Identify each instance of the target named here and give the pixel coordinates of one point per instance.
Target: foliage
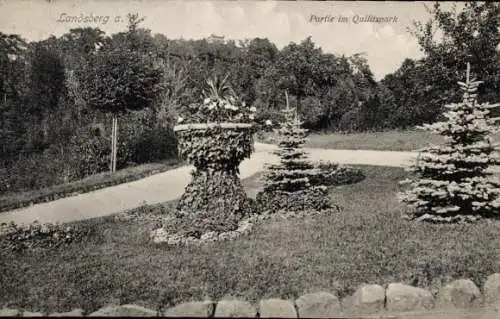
(213, 201)
(219, 105)
(216, 147)
(333, 174)
(35, 171)
(294, 182)
(38, 236)
(422, 87)
(121, 73)
(87, 153)
(453, 182)
(310, 199)
(95, 151)
(121, 79)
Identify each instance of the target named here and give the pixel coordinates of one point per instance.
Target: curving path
(170, 185)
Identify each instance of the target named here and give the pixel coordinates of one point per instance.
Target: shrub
(334, 174)
(90, 155)
(38, 236)
(313, 198)
(155, 144)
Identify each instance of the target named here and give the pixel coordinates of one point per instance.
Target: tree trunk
(114, 144)
(111, 158)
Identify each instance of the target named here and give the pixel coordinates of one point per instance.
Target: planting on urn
(215, 136)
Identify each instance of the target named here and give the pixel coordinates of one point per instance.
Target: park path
(170, 185)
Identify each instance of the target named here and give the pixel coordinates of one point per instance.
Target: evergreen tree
(454, 183)
(293, 184)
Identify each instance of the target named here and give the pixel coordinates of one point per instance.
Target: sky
(385, 44)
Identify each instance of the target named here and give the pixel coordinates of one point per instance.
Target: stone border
(161, 236)
(458, 299)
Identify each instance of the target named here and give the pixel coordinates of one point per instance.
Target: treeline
(58, 95)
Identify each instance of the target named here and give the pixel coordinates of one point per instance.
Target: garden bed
(18, 200)
(367, 242)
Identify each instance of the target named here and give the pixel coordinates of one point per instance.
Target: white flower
(269, 122)
(211, 106)
(475, 34)
(206, 101)
(251, 116)
(180, 119)
(243, 103)
(230, 107)
(253, 109)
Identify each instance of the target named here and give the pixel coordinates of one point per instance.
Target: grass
(16, 200)
(367, 242)
(410, 140)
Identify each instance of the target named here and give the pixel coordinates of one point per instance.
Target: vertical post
(112, 157)
(468, 73)
(286, 96)
(112, 145)
(287, 112)
(116, 145)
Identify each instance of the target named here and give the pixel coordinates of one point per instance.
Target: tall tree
(452, 181)
(470, 35)
(123, 75)
(296, 64)
(46, 88)
(13, 52)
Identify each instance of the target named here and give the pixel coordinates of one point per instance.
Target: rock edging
(161, 235)
(458, 299)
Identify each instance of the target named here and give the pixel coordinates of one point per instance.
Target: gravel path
(170, 185)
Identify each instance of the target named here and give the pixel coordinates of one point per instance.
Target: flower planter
(214, 200)
(215, 145)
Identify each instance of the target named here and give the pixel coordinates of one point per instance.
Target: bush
(314, 198)
(90, 155)
(38, 236)
(37, 171)
(336, 175)
(155, 144)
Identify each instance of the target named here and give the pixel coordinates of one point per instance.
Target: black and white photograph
(250, 159)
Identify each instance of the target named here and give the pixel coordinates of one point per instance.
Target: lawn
(367, 242)
(383, 141)
(11, 201)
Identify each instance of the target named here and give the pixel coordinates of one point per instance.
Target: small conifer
(292, 184)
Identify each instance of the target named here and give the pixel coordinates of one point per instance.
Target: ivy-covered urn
(215, 136)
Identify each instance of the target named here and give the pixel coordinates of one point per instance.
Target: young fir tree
(293, 184)
(454, 183)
